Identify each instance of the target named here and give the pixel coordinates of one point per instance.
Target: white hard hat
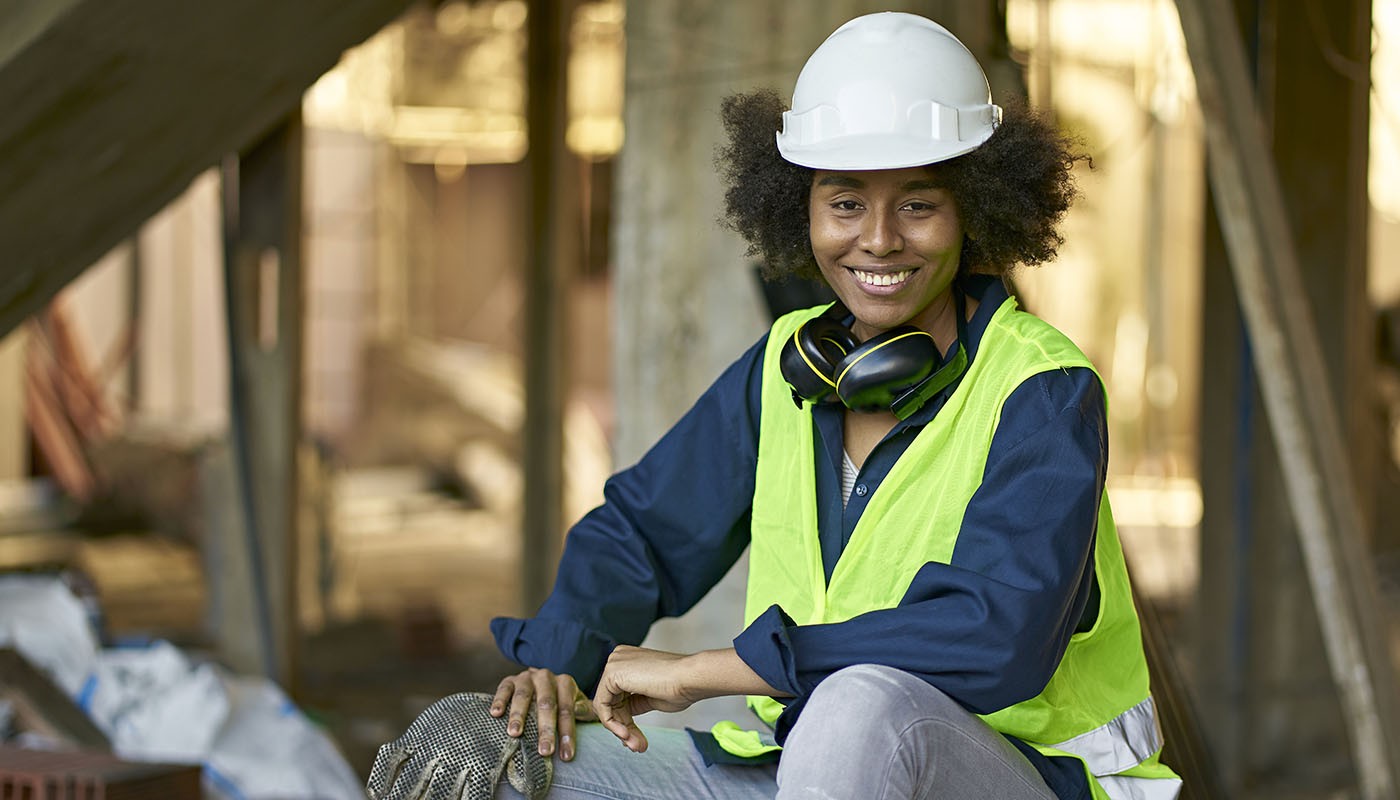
(886, 91)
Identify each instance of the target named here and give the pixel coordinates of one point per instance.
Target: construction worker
(937, 604)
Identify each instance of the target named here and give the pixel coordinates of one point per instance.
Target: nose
(880, 235)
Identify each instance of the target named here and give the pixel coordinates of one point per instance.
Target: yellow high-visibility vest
(1097, 706)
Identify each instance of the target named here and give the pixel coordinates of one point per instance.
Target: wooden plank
(42, 706)
(14, 442)
(1320, 487)
(53, 431)
(72, 376)
(111, 109)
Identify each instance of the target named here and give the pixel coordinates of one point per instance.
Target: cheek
(943, 238)
(824, 236)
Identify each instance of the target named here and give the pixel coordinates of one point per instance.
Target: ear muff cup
(809, 357)
(876, 373)
(898, 371)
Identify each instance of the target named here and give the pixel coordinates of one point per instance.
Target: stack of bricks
(86, 775)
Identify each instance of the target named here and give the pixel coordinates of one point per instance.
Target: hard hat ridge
(886, 91)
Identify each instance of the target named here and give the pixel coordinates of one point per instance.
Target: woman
(937, 604)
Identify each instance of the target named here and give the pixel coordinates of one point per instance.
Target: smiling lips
(882, 278)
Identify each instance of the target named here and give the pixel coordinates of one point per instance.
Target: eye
(920, 206)
(846, 205)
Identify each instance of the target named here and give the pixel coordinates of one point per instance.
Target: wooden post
(14, 443)
(552, 252)
(1285, 347)
(262, 240)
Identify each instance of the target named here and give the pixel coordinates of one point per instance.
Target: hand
(558, 703)
(637, 680)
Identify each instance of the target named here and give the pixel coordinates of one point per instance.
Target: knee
(853, 722)
(873, 694)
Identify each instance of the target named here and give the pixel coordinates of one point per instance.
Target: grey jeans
(867, 732)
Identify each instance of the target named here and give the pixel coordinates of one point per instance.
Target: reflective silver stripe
(1120, 787)
(1124, 742)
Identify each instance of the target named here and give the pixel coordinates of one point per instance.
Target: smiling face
(888, 242)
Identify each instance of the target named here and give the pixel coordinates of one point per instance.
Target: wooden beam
(1320, 486)
(553, 247)
(43, 707)
(264, 302)
(14, 440)
(111, 109)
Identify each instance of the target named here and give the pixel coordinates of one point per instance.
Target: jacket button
(862, 490)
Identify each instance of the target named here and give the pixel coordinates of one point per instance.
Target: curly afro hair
(1011, 192)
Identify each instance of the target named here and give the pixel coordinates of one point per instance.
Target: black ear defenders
(823, 361)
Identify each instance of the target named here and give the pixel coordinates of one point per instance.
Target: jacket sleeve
(990, 627)
(669, 528)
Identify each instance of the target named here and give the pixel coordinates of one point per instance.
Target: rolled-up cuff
(765, 646)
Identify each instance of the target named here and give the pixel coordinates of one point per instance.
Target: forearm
(719, 673)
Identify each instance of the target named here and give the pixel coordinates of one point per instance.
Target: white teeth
(882, 278)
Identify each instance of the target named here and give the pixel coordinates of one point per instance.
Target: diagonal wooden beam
(111, 109)
(1292, 378)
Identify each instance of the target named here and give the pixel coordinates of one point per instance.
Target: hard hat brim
(875, 151)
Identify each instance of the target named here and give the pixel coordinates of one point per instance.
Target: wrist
(701, 675)
(720, 673)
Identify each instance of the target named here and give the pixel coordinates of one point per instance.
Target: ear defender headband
(823, 361)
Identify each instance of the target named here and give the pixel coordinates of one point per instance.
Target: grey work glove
(456, 750)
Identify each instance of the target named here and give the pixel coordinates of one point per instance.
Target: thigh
(670, 768)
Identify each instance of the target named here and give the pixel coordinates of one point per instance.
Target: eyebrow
(847, 182)
(844, 181)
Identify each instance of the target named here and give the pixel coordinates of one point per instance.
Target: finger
(461, 787)
(625, 728)
(613, 711)
(519, 707)
(426, 780)
(583, 708)
(503, 692)
(603, 708)
(636, 740)
(385, 770)
(564, 686)
(546, 709)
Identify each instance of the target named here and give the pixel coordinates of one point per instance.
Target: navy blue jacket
(988, 628)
